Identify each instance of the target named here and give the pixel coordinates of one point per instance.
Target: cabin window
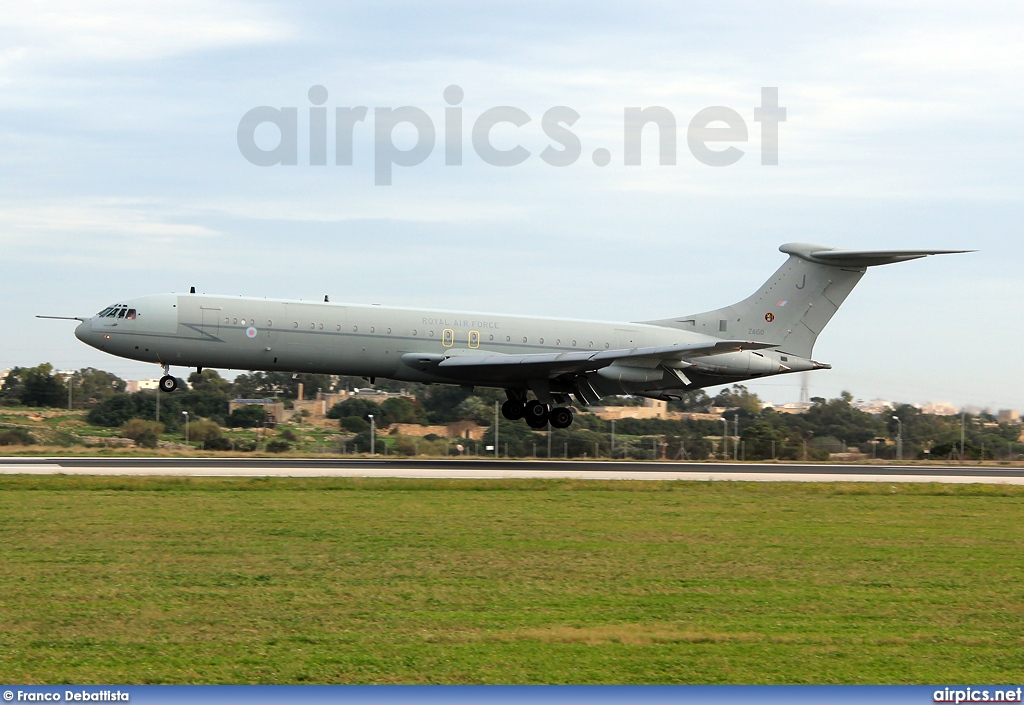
(574, 343)
(590, 343)
(508, 338)
(269, 323)
(542, 341)
(295, 324)
(373, 329)
(321, 326)
(355, 329)
(389, 331)
(414, 331)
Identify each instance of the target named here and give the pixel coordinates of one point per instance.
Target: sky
(121, 172)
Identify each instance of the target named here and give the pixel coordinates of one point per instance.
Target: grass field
(142, 580)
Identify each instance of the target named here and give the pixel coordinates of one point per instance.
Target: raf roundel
(769, 316)
(250, 332)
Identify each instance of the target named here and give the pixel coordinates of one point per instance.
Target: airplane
(770, 332)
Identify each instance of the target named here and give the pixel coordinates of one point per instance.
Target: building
(139, 385)
(460, 429)
(939, 408)
(1008, 416)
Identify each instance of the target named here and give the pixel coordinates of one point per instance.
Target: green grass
(132, 580)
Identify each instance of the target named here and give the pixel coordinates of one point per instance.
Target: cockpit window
(131, 313)
(116, 311)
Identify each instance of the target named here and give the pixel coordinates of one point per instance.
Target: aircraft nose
(83, 331)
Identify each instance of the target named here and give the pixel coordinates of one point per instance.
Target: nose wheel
(168, 384)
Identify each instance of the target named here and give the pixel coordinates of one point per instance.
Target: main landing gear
(537, 415)
(167, 382)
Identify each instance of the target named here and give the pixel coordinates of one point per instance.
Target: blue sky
(120, 174)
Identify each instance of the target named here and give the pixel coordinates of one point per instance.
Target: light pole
(736, 445)
(899, 438)
(71, 379)
(725, 436)
(185, 414)
(373, 435)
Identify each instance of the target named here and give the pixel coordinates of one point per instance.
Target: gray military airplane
(770, 332)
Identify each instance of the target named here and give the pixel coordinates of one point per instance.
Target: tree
(739, 397)
(91, 386)
(40, 387)
(354, 407)
(248, 416)
(475, 409)
(399, 410)
(209, 381)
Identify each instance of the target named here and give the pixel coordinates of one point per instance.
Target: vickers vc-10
(770, 332)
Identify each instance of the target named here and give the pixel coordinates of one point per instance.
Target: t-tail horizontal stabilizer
(795, 304)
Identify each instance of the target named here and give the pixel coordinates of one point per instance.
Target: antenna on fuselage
(325, 299)
(191, 290)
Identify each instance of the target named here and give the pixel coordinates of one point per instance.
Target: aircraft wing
(499, 367)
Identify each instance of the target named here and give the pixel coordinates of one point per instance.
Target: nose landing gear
(167, 382)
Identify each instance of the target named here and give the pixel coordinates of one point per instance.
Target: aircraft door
(211, 320)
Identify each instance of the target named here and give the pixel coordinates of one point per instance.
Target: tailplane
(794, 305)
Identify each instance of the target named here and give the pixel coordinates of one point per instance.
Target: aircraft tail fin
(794, 305)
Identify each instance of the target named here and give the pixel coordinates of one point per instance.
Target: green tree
(40, 387)
(91, 386)
(399, 410)
(739, 397)
(248, 416)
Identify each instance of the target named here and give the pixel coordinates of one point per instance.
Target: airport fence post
(496, 451)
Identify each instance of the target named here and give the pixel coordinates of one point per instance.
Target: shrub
(138, 428)
(276, 446)
(203, 431)
(288, 435)
(220, 443)
(16, 437)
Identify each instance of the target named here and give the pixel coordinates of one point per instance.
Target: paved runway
(498, 469)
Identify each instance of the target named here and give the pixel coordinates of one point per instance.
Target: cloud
(66, 31)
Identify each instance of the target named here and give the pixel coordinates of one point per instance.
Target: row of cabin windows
(449, 340)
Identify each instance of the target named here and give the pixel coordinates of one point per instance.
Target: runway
(508, 469)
